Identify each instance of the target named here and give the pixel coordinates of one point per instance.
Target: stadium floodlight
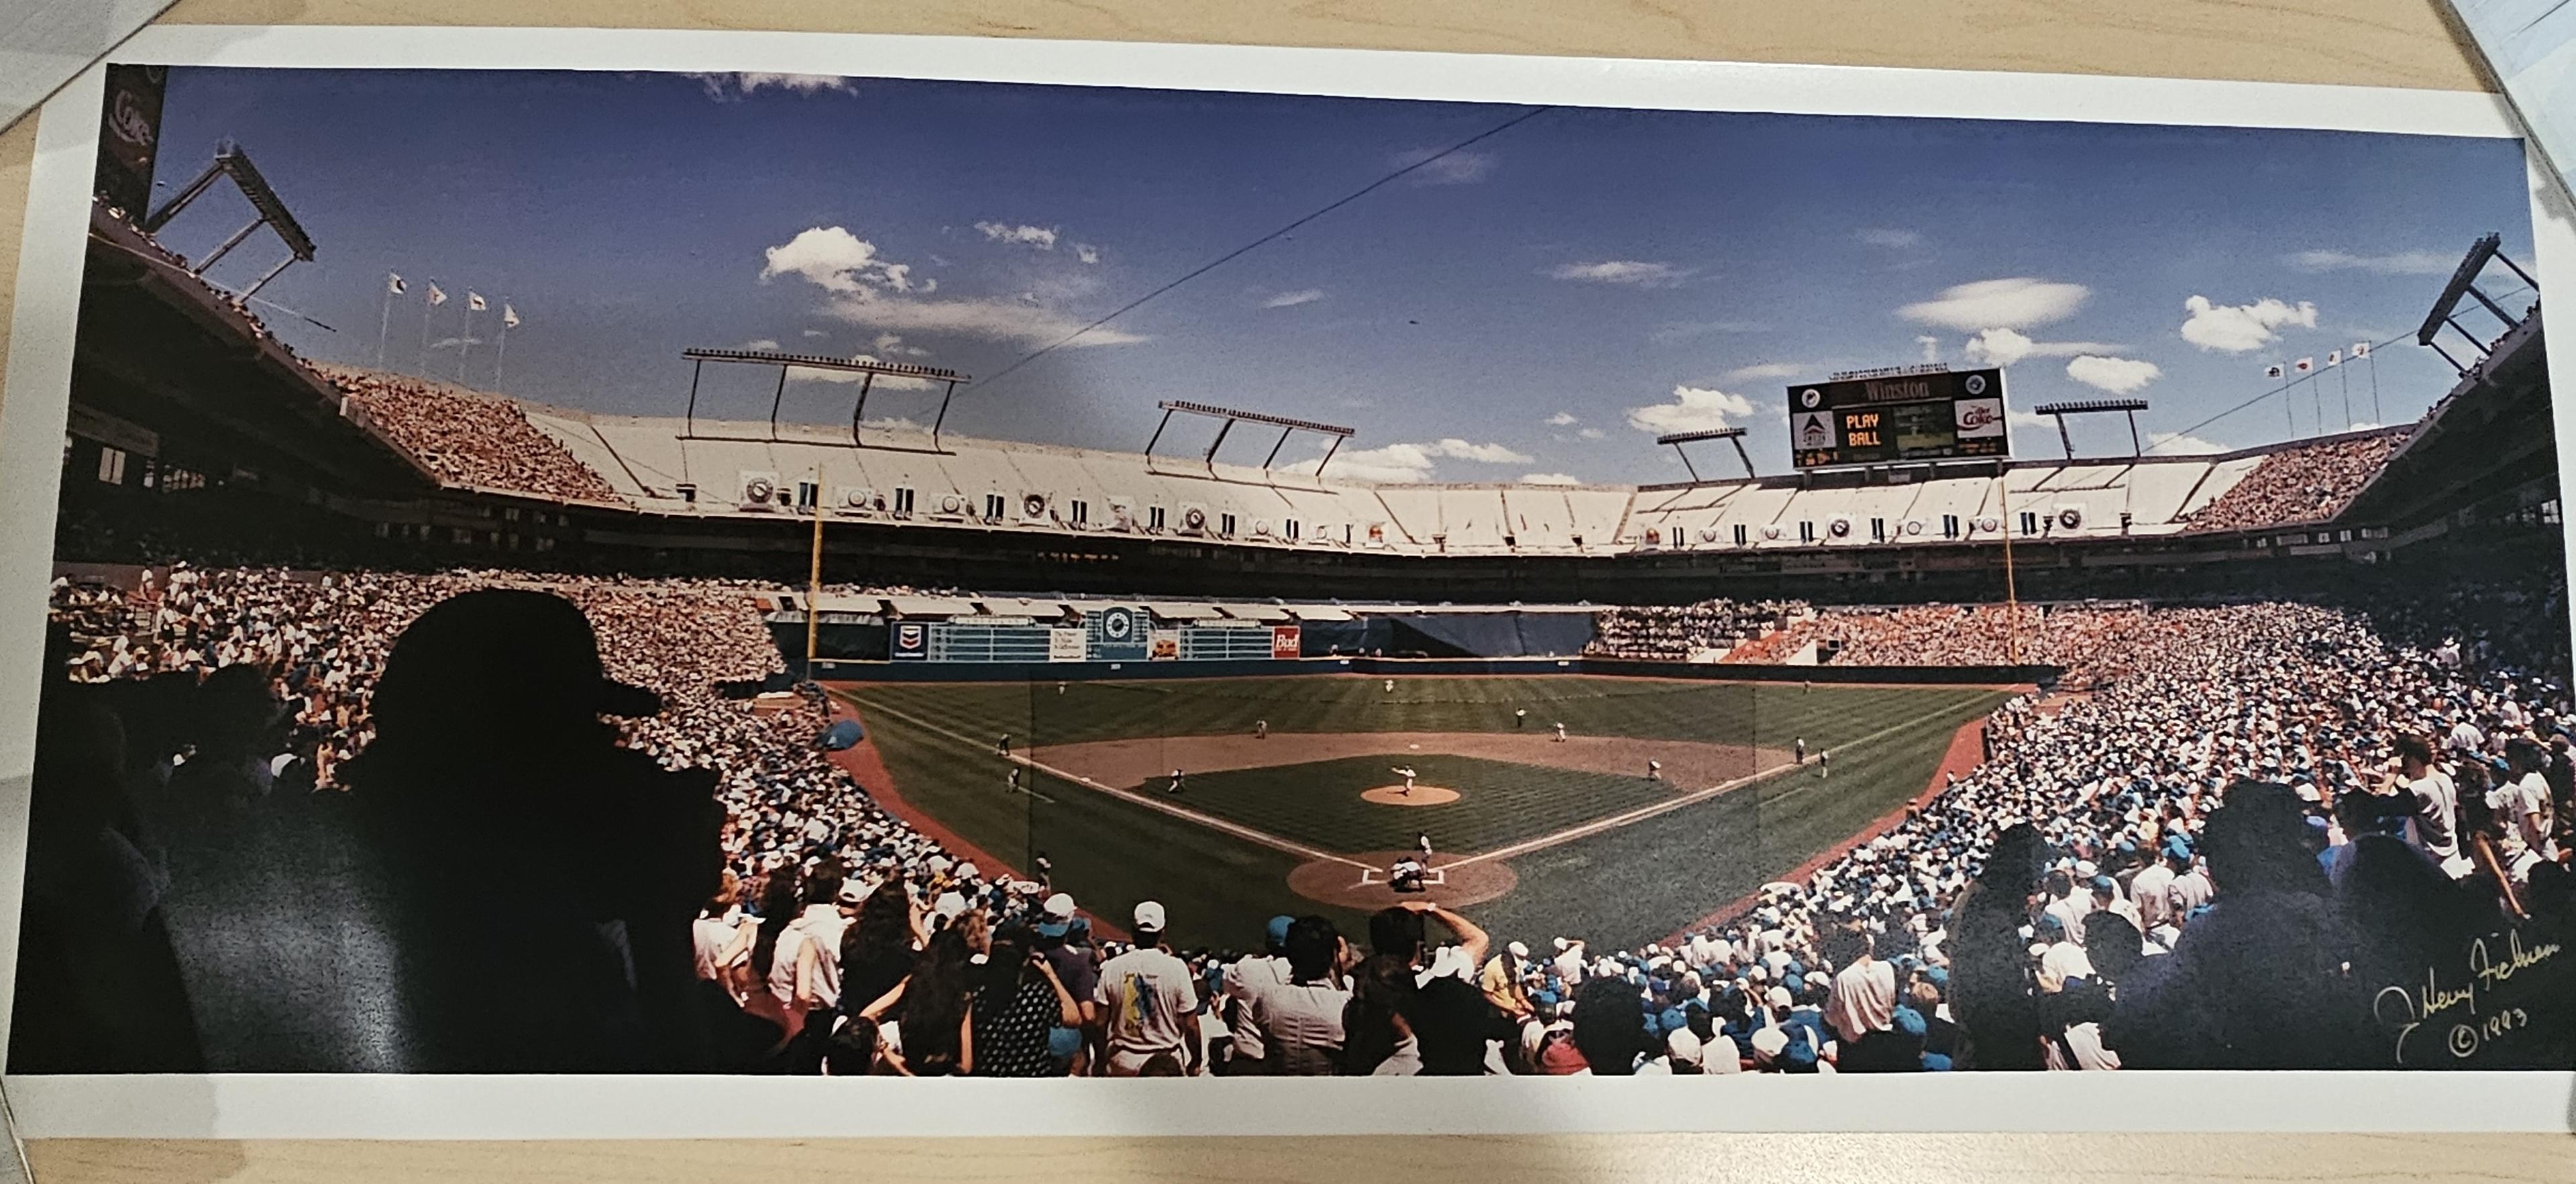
(1231, 416)
(231, 161)
(2464, 282)
(2059, 412)
(867, 369)
(1733, 436)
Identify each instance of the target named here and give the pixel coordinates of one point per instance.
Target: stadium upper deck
(733, 469)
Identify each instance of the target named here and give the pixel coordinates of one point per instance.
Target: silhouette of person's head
(495, 674)
(2256, 841)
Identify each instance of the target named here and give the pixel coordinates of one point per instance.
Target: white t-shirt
(1147, 995)
(2149, 891)
(2070, 913)
(2518, 801)
(711, 935)
(1863, 999)
(2188, 891)
(2437, 810)
(1569, 964)
(822, 925)
(2064, 960)
(1244, 982)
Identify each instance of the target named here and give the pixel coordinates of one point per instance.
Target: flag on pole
(474, 301)
(393, 284)
(2360, 350)
(436, 297)
(509, 315)
(2334, 357)
(2305, 365)
(2272, 371)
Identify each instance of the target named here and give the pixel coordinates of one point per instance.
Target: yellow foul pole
(2012, 599)
(814, 578)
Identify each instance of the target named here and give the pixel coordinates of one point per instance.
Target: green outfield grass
(1318, 802)
(1620, 886)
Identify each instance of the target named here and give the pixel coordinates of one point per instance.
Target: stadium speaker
(1261, 527)
(1913, 527)
(1989, 524)
(1194, 518)
(1033, 506)
(1840, 526)
(2070, 517)
(1654, 537)
(759, 488)
(952, 504)
(1708, 534)
(1771, 532)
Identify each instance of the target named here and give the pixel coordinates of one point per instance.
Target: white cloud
(1394, 463)
(1398, 463)
(2116, 375)
(1592, 433)
(1003, 320)
(1685, 330)
(2242, 328)
(760, 343)
(1693, 409)
(1086, 252)
(892, 345)
(1634, 273)
(1931, 348)
(1768, 370)
(1562, 419)
(2177, 444)
(871, 291)
(2003, 347)
(817, 333)
(1457, 168)
(1293, 299)
(835, 260)
(2018, 302)
(728, 87)
(1891, 238)
(2394, 263)
(1492, 454)
(1550, 479)
(1041, 237)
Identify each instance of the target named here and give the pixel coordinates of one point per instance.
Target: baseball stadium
(1706, 750)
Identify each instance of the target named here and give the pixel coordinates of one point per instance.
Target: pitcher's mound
(1334, 882)
(1422, 795)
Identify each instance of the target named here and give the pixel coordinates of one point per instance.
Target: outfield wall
(1414, 667)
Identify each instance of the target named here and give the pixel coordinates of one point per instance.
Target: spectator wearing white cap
(1063, 939)
(1149, 1001)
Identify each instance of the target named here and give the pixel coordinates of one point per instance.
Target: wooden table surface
(2374, 42)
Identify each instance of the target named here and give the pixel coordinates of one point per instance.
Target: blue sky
(1539, 304)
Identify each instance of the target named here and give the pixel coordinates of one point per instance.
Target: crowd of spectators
(466, 438)
(1676, 633)
(2211, 861)
(2299, 484)
(2092, 641)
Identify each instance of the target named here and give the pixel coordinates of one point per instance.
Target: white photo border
(330, 1106)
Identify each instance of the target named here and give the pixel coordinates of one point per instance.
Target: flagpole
(501, 350)
(2375, 413)
(465, 339)
(427, 306)
(2346, 379)
(384, 322)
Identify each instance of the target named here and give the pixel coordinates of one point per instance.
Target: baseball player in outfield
(1261, 729)
(1003, 745)
(1175, 786)
(1654, 769)
(1390, 686)
(1520, 717)
(1406, 772)
(1560, 731)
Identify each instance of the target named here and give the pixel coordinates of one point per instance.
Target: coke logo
(1977, 416)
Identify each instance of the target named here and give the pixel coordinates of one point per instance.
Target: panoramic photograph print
(836, 576)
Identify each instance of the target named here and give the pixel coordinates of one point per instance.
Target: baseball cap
(950, 904)
(1684, 1046)
(1518, 950)
(1278, 931)
(1779, 997)
(1768, 1043)
(1910, 1022)
(853, 891)
(1059, 916)
(1149, 917)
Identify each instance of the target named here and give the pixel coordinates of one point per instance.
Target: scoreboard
(1880, 417)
